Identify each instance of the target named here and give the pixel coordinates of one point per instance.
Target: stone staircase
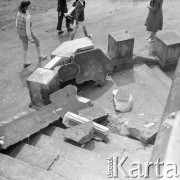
(46, 156)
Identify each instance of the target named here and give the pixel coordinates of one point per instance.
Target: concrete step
(117, 146)
(12, 169)
(158, 73)
(33, 155)
(74, 162)
(116, 143)
(156, 86)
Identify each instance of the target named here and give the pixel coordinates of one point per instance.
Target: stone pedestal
(120, 50)
(167, 47)
(120, 45)
(41, 84)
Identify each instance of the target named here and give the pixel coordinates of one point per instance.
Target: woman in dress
(24, 24)
(154, 21)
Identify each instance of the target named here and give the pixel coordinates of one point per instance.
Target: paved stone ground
(107, 16)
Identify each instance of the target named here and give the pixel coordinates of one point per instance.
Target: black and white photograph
(89, 89)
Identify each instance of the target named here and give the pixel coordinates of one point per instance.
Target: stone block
(81, 133)
(68, 48)
(18, 129)
(124, 64)
(41, 84)
(123, 100)
(167, 47)
(101, 132)
(66, 100)
(143, 127)
(120, 45)
(94, 113)
(68, 72)
(94, 65)
(56, 61)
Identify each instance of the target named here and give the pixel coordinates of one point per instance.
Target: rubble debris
(81, 133)
(42, 83)
(143, 128)
(169, 120)
(123, 100)
(71, 119)
(68, 48)
(20, 128)
(94, 113)
(85, 101)
(94, 65)
(68, 72)
(66, 99)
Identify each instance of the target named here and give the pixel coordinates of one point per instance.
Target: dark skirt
(154, 21)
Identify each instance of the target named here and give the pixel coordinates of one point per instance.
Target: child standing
(80, 18)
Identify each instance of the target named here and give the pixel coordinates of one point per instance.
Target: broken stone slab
(81, 133)
(100, 132)
(56, 61)
(85, 101)
(42, 83)
(167, 47)
(18, 129)
(68, 72)
(94, 65)
(143, 127)
(94, 113)
(120, 45)
(67, 100)
(123, 100)
(68, 48)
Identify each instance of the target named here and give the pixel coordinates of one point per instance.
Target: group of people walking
(76, 17)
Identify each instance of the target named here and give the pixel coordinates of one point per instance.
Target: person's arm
(155, 8)
(28, 27)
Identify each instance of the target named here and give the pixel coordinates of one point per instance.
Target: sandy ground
(103, 17)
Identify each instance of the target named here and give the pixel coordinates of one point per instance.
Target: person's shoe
(42, 58)
(150, 40)
(147, 38)
(90, 36)
(26, 65)
(69, 29)
(60, 32)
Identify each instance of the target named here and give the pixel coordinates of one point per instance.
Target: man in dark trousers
(61, 9)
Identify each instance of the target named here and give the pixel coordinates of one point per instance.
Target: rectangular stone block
(56, 61)
(23, 127)
(124, 64)
(120, 45)
(41, 84)
(68, 48)
(167, 47)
